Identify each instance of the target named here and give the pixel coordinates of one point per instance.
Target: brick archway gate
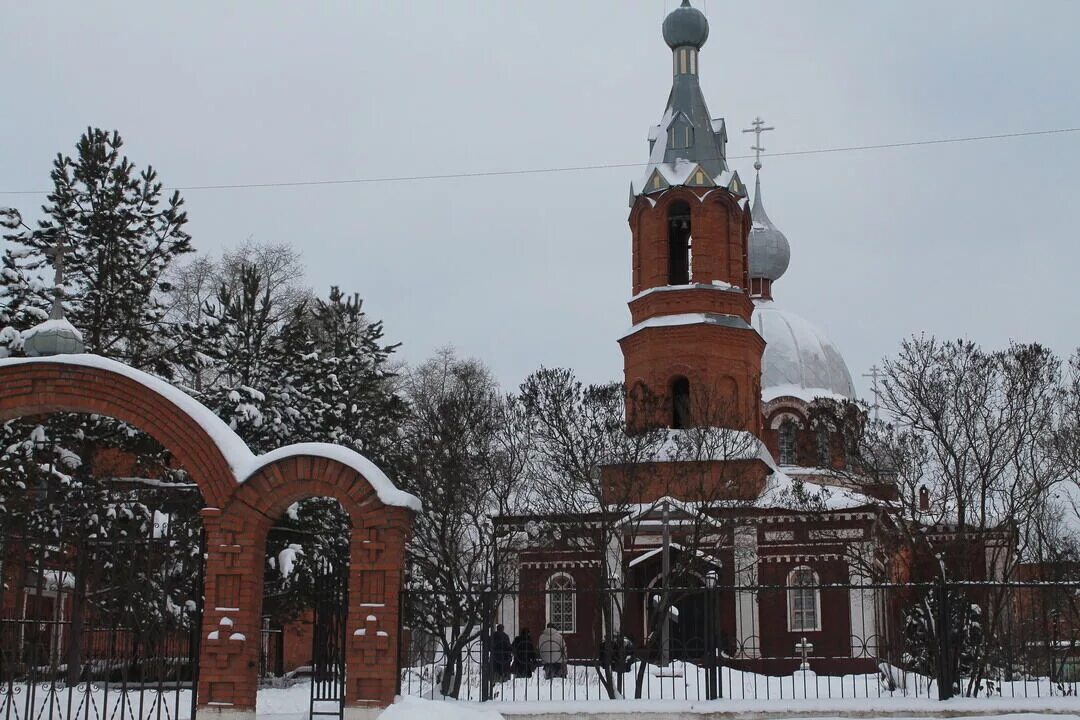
(244, 496)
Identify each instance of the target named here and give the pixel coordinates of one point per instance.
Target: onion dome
(768, 248)
(799, 361)
(55, 336)
(686, 26)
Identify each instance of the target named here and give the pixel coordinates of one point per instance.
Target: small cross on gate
(371, 641)
(372, 546)
(804, 647)
(757, 147)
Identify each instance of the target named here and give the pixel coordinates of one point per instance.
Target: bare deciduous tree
(975, 443)
(464, 460)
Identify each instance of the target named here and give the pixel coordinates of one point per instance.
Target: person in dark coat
(524, 654)
(502, 654)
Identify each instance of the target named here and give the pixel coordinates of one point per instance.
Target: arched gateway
(244, 495)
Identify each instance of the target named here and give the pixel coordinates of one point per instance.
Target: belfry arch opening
(680, 250)
(680, 403)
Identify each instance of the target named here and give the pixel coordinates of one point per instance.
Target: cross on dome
(757, 147)
(768, 248)
(56, 254)
(55, 336)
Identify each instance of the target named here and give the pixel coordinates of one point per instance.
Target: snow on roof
(688, 319)
(241, 460)
(51, 325)
(653, 553)
(701, 444)
(782, 492)
(719, 285)
(807, 395)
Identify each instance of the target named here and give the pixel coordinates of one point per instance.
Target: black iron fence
(271, 652)
(801, 641)
(99, 628)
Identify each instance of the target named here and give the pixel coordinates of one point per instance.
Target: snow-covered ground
(292, 703)
(687, 682)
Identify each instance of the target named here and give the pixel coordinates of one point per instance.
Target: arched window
(561, 603)
(787, 443)
(804, 600)
(680, 403)
(823, 454)
(679, 244)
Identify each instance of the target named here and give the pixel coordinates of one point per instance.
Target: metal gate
(328, 639)
(100, 627)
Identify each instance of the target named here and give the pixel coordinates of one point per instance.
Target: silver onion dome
(53, 337)
(768, 248)
(686, 26)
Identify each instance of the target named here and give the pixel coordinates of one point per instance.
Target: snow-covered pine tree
(350, 380)
(119, 235)
(333, 384)
(242, 341)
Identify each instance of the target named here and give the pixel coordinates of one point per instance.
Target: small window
(804, 600)
(561, 603)
(680, 403)
(681, 137)
(787, 443)
(824, 456)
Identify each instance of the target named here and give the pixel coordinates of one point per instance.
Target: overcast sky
(976, 240)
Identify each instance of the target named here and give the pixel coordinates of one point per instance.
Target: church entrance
(686, 632)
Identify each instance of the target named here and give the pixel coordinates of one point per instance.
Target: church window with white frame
(561, 603)
(804, 600)
(787, 443)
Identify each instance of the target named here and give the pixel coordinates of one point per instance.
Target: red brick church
(707, 333)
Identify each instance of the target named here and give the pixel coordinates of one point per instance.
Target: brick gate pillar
(377, 560)
(228, 654)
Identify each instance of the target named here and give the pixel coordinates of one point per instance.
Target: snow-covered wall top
(241, 460)
(384, 487)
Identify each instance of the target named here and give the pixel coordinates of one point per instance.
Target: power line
(583, 168)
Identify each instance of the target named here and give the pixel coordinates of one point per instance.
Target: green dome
(686, 26)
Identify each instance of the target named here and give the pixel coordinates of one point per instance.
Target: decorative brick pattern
(236, 522)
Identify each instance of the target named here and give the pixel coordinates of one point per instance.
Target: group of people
(522, 657)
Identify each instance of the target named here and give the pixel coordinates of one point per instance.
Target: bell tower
(691, 347)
